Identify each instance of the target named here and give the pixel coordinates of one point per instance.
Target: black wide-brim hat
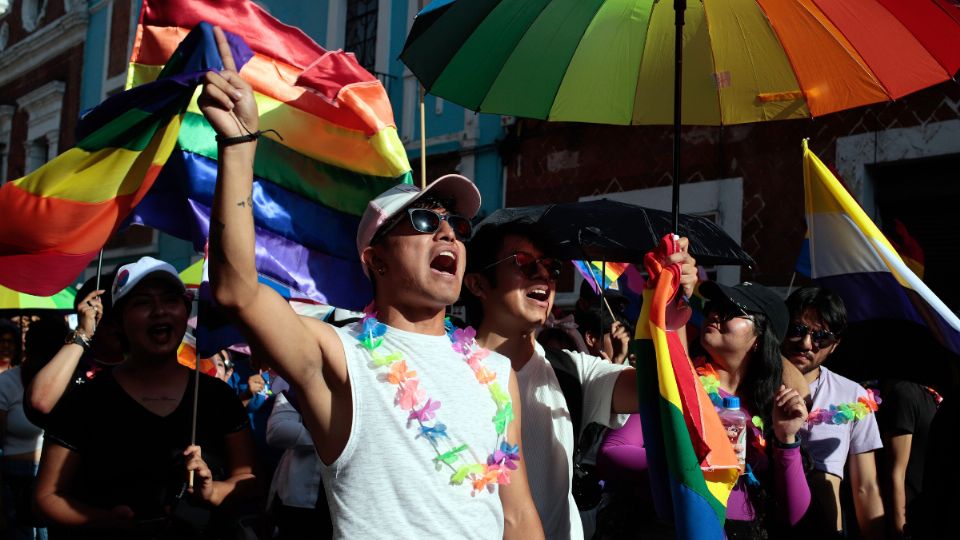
(751, 298)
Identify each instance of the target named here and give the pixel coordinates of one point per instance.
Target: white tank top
(385, 483)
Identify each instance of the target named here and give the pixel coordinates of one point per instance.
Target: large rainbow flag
(58, 217)
(692, 465)
(846, 252)
(340, 148)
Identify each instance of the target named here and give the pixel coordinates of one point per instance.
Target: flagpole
(423, 140)
(196, 395)
(99, 268)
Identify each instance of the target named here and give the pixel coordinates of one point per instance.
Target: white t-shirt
(385, 484)
(548, 433)
(21, 435)
(830, 444)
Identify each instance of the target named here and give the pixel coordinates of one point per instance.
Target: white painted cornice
(44, 44)
(44, 100)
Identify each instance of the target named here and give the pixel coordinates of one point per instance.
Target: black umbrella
(606, 230)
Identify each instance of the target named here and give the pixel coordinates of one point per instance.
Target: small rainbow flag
(598, 272)
(692, 465)
(340, 148)
(59, 216)
(845, 251)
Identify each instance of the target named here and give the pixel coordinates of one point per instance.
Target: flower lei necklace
(832, 414)
(423, 409)
(846, 412)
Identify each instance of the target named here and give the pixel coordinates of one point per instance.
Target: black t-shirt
(908, 408)
(130, 456)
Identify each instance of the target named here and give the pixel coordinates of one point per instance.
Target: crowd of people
(402, 423)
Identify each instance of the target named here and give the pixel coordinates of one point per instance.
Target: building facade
(457, 140)
(901, 160)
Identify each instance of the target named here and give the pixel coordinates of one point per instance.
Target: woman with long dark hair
(742, 330)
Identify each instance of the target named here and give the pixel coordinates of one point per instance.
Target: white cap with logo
(129, 275)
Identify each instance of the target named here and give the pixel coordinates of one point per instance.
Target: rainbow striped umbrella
(613, 61)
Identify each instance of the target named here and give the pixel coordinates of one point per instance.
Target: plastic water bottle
(735, 423)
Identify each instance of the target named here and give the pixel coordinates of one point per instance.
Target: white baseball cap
(388, 204)
(129, 275)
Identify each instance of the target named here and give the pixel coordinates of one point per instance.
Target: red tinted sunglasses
(529, 265)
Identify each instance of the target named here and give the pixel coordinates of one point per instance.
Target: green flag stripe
(329, 185)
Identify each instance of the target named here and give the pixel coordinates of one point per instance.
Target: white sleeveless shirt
(385, 483)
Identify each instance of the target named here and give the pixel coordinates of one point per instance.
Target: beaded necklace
(482, 474)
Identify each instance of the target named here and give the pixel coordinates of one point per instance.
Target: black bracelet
(228, 141)
(786, 446)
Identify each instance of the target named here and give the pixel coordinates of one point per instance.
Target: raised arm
(792, 490)
(296, 347)
(49, 384)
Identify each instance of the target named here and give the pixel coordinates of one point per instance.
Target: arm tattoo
(246, 203)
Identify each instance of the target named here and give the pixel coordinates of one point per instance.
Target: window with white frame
(43, 106)
(360, 36)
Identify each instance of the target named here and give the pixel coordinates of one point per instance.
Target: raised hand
(688, 266)
(89, 313)
(620, 338)
(789, 414)
(227, 100)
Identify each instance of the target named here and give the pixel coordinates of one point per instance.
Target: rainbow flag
(340, 148)
(59, 216)
(599, 273)
(846, 252)
(692, 465)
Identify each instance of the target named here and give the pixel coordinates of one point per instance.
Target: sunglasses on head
(819, 338)
(428, 221)
(529, 265)
(726, 311)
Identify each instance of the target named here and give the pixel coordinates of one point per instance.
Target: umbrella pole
(679, 7)
(423, 140)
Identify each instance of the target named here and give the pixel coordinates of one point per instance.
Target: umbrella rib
(643, 55)
(570, 59)
(713, 61)
(857, 58)
(493, 80)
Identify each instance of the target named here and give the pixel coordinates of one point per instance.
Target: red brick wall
(119, 37)
(558, 162)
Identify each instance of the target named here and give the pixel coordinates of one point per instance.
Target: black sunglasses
(726, 311)
(819, 338)
(428, 221)
(529, 265)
